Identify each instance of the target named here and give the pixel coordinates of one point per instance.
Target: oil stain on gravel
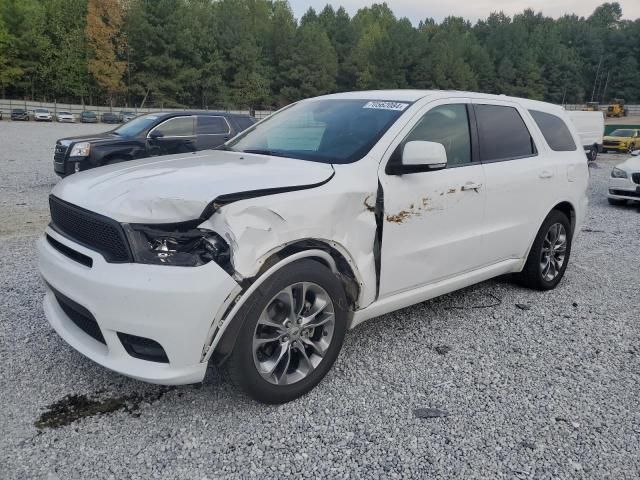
(72, 408)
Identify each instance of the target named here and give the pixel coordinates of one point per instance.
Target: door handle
(471, 186)
(545, 174)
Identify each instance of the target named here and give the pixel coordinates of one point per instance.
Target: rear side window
(244, 122)
(503, 134)
(212, 126)
(555, 131)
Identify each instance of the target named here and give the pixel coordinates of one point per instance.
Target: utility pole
(593, 93)
(606, 83)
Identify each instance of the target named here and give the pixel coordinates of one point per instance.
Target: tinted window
(503, 134)
(622, 133)
(212, 126)
(176, 127)
(555, 131)
(244, 122)
(449, 126)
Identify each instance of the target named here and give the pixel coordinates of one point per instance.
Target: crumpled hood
(177, 188)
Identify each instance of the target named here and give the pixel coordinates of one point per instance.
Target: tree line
(254, 53)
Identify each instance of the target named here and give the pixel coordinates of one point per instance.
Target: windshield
(64, 113)
(322, 130)
(42, 110)
(88, 114)
(621, 133)
(136, 126)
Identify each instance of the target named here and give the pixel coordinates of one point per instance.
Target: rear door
(211, 131)
(521, 176)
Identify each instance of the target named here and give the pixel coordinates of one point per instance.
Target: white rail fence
(7, 105)
(632, 110)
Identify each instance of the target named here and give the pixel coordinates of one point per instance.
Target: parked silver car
(65, 117)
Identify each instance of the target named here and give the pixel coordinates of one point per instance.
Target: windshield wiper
(260, 151)
(224, 147)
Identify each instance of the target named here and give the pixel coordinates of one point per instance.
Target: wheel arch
(563, 206)
(569, 210)
(222, 340)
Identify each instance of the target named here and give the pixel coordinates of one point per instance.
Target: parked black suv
(146, 136)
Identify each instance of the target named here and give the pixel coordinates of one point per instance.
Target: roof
(415, 95)
(197, 112)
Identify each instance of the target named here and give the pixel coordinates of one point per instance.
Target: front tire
(293, 328)
(549, 255)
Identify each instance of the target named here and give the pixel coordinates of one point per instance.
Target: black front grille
(99, 233)
(80, 316)
(70, 252)
(60, 153)
(611, 143)
(636, 178)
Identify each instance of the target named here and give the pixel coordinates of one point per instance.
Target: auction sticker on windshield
(387, 105)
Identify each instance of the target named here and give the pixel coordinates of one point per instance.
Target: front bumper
(617, 148)
(623, 189)
(174, 306)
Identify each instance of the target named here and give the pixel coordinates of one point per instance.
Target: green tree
(9, 71)
(313, 66)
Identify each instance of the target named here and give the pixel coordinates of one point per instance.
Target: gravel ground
(534, 385)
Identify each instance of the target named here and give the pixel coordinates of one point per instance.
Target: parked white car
(42, 115)
(65, 117)
(330, 212)
(624, 183)
(590, 127)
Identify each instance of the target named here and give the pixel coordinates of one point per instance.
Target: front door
(433, 221)
(176, 135)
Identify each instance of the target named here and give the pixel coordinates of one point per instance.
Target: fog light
(143, 348)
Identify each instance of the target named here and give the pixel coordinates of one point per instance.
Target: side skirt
(427, 292)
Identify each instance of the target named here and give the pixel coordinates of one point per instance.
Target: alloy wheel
(554, 250)
(293, 333)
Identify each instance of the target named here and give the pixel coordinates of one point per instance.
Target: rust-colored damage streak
(424, 205)
(371, 208)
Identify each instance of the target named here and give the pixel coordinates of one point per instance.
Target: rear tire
(549, 255)
(616, 202)
(298, 358)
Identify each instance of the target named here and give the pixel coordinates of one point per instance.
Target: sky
(417, 10)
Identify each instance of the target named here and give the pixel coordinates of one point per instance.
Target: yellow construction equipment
(616, 108)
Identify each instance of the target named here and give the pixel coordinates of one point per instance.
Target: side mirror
(423, 156)
(635, 153)
(156, 134)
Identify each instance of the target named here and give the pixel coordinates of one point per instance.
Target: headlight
(618, 173)
(81, 149)
(176, 245)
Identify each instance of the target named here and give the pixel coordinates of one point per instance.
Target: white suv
(330, 212)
